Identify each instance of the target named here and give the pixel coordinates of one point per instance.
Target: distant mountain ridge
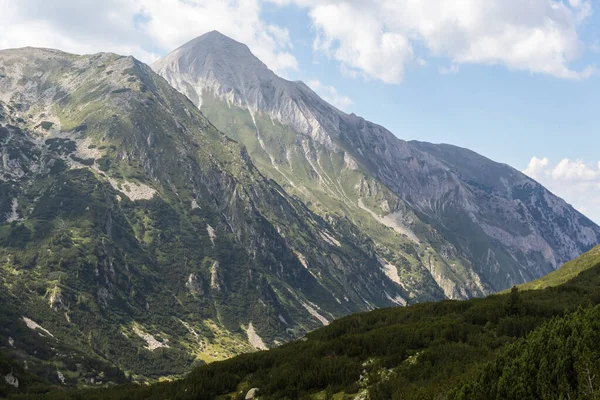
(488, 226)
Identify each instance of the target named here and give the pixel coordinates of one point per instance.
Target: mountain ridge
(506, 208)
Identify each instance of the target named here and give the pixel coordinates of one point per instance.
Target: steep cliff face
(455, 220)
(536, 229)
(139, 236)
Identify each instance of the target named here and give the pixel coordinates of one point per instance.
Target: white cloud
(576, 181)
(379, 37)
(356, 39)
(331, 95)
(536, 167)
(67, 26)
(143, 28)
(577, 170)
(370, 38)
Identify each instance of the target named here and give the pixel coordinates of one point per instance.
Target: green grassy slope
(567, 272)
(433, 350)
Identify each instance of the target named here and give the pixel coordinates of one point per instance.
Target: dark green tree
(514, 303)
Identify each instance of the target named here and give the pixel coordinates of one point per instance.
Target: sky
(517, 81)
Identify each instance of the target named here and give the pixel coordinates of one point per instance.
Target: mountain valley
(156, 219)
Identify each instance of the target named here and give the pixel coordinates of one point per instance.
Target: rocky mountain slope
(135, 237)
(446, 222)
(534, 344)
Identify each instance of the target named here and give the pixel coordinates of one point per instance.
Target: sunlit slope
(568, 271)
(446, 221)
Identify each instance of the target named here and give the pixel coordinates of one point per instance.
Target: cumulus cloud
(577, 181)
(351, 34)
(78, 27)
(371, 38)
(577, 170)
(331, 95)
(536, 167)
(143, 28)
(380, 37)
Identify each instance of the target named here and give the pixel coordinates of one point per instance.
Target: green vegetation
(561, 360)
(46, 125)
(138, 242)
(567, 272)
(144, 242)
(518, 345)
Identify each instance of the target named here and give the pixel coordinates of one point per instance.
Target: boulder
(252, 394)
(13, 381)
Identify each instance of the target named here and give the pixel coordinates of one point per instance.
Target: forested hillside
(481, 348)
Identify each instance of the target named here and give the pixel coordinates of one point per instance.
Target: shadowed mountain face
(136, 235)
(446, 222)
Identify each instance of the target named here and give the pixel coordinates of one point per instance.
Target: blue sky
(506, 115)
(510, 79)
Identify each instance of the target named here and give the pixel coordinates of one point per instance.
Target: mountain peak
(218, 40)
(436, 181)
(213, 53)
(216, 35)
(217, 63)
